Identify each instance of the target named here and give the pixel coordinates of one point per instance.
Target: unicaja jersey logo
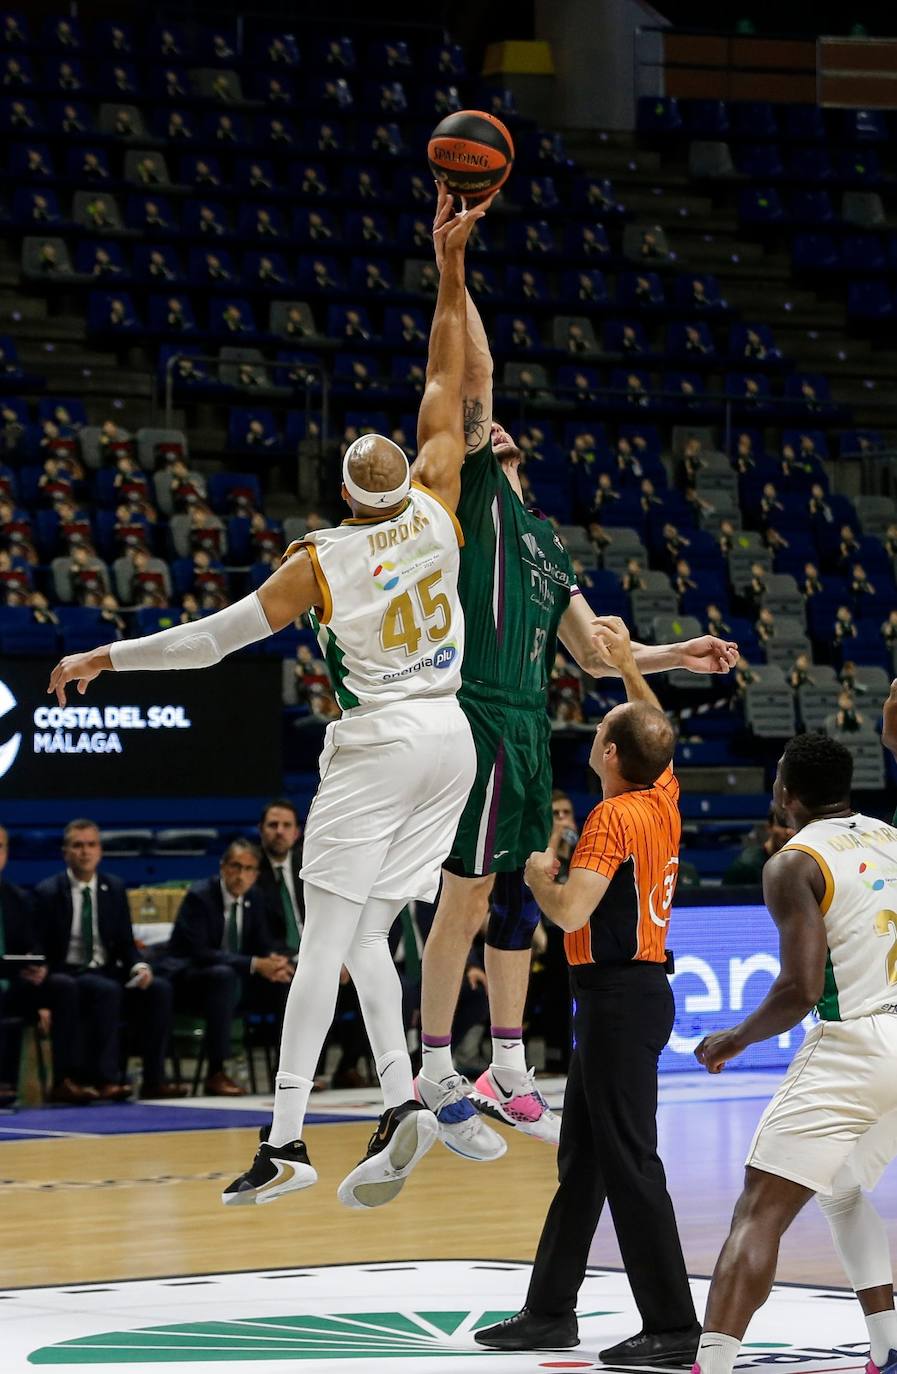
(532, 544)
(10, 749)
(385, 576)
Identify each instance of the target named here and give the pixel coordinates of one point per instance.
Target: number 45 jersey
(391, 628)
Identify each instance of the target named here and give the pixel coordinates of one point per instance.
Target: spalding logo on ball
(472, 153)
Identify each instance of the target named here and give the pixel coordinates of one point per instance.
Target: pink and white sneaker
(513, 1098)
(889, 1367)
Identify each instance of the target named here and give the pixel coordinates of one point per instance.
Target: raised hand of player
(716, 1050)
(708, 655)
(451, 228)
(613, 641)
(80, 668)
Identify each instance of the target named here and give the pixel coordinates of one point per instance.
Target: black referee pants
(608, 1150)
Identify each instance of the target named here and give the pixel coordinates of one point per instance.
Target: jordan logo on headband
(378, 500)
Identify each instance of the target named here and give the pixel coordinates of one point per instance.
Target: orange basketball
(472, 153)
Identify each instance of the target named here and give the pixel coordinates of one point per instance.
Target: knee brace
(514, 915)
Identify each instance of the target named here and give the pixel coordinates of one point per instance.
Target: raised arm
(291, 591)
(476, 388)
(704, 655)
(793, 889)
(440, 433)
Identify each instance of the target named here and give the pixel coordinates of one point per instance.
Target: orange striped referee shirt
(633, 840)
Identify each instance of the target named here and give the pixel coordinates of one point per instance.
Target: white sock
(437, 1062)
(717, 1353)
(882, 1328)
(291, 1094)
(508, 1053)
(396, 1083)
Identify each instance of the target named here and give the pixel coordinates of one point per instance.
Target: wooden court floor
(130, 1206)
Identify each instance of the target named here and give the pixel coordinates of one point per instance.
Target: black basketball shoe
(276, 1169)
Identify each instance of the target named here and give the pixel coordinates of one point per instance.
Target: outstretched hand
(612, 640)
(453, 228)
(80, 668)
(708, 655)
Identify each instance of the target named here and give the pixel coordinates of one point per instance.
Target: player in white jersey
(396, 768)
(831, 1128)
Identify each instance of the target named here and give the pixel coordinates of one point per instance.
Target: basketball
(472, 153)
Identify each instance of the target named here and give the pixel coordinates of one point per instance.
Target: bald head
(644, 740)
(375, 463)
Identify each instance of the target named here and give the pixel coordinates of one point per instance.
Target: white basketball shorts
(394, 781)
(832, 1123)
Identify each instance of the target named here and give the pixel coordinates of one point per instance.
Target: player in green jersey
(519, 598)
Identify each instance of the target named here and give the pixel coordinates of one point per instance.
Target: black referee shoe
(674, 1349)
(276, 1169)
(526, 1331)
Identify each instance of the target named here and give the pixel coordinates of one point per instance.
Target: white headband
(376, 499)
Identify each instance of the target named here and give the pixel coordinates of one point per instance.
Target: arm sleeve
(197, 644)
(602, 846)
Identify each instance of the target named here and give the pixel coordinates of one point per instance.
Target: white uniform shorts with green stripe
(394, 781)
(832, 1123)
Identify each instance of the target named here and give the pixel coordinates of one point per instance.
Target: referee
(615, 909)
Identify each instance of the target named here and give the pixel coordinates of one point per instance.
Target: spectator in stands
(811, 585)
(848, 718)
(683, 581)
(792, 462)
(673, 543)
(716, 622)
(889, 630)
(636, 395)
(818, 506)
(111, 617)
(599, 536)
(890, 540)
(279, 882)
(648, 498)
(754, 348)
(691, 461)
(41, 613)
(746, 870)
(799, 673)
(86, 932)
(859, 582)
(849, 680)
(845, 627)
(726, 537)
(745, 458)
(766, 625)
(745, 677)
(220, 948)
(627, 459)
(86, 573)
(310, 672)
(775, 541)
(694, 341)
(756, 588)
(770, 505)
(48, 260)
(633, 579)
(190, 611)
(576, 339)
(849, 546)
(605, 496)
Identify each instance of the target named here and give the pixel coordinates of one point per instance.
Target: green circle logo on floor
(416, 1315)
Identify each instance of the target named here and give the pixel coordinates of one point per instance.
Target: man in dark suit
(221, 954)
(85, 926)
(26, 993)
(278, 880)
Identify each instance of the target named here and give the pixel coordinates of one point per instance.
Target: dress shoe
(527, 1331)
(219, 1085)
(163, 1090)
(73, 1094)
(678, 1349)
(114, 1092)
(349, 1078)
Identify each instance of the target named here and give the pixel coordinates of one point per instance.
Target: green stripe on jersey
(334, 657)
(829, 1006)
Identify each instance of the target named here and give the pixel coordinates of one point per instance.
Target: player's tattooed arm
(476, 424)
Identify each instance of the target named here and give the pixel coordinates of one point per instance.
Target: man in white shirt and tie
(278, 880)
(85, 926)
(223, 957)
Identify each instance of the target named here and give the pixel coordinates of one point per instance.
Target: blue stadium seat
(760, 161)
(810, 164)
(815, 253)
(802, 123)
(752, 119)
(859, 167)
(760, 206)
(811, 208)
